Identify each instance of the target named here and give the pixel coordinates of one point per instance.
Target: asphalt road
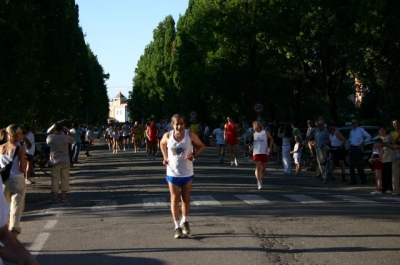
(118, 213)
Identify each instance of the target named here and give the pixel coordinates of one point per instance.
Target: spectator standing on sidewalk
(338, 142)
(309, 141)
(177, 149)
(286, 136)
(59, 158)
(76, 145)
(88, 140)
(357, 139)
(376, 161)
(277, 141)
(321, 139)
(388, 155)
(14, 187)
(30, 149)
(13, 250)
(297, 153)
(395, 137)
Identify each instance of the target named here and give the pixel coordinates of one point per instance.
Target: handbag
(5, 171)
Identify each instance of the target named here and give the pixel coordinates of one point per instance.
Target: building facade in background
(118, 111)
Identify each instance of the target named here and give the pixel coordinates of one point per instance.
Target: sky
(118, 31)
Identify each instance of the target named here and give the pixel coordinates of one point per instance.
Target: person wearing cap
(59, 158)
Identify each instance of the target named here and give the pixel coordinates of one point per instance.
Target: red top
(152, 133)
(231, 133)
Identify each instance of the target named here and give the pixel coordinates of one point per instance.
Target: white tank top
(178, 166)
(335, 141)
(260, 145)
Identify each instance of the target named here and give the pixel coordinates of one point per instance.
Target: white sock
(184, 219)
(177, 224)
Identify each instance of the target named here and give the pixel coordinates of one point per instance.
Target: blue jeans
(75, 148)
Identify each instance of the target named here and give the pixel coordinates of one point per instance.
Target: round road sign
(258, 107)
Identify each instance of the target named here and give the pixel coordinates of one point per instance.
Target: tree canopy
(47, 71)
(298, 58)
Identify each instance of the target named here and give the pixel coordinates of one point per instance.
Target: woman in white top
(177, 149)
(261, 149)
(14, 187)
(286, 136)
(338, 141)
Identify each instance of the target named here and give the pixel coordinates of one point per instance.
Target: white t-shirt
(31, 138)
(161, 129)
(89, 136)
(260, 145)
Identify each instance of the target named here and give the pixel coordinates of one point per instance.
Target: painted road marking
(204, 201)
(253, 199)
(154, 203)
(302, 198)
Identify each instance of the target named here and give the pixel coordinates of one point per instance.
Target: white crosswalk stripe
(302, 198)
(204, 200)
(353, 199)
(253, 199)
(155, 203)
(104, 206)
(393, 198)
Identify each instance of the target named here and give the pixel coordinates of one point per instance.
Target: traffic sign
(258, 107)
(193, 114)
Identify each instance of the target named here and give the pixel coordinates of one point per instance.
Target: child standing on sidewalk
(376, 161)
(297, 150)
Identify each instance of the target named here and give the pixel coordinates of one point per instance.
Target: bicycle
(43, 159)
(329, 164)
(308, 162)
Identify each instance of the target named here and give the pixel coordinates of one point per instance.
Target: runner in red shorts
(261, 149)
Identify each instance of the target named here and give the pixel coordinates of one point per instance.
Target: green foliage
(47, 71)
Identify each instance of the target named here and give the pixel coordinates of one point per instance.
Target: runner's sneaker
(231, 163)
(178, 233)
(376, 192)
(236, 163)
(185, 228)
(28, 181)
(259, 185)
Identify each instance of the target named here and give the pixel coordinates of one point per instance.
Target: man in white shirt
(357, 139)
